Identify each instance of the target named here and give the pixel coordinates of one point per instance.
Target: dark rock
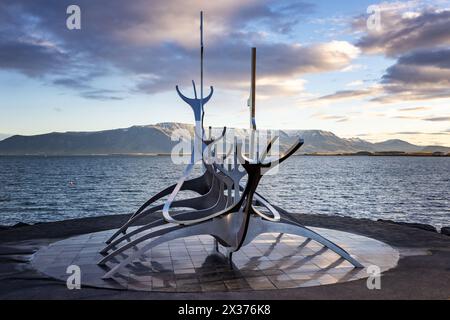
(4, 228)
(387, 221)
(421, 226)
(20, 225)
(445, 230)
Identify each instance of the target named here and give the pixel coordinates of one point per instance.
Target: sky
(320, 65)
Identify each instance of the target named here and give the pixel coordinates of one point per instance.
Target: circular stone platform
(270, 261)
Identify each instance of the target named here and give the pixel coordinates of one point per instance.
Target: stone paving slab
(271, 261)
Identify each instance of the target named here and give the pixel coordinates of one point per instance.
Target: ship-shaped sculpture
(225, 207)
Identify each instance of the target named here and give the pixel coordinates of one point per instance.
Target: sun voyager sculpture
(226, 205)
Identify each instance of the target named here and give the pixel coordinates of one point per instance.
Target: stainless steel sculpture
(225, 208)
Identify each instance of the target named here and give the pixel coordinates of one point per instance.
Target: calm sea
(37, 189)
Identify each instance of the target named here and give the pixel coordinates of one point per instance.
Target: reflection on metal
(225, 208)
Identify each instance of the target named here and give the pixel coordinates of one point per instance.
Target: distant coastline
(382, 154)
(314, 154)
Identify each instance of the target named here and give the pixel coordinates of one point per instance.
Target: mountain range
(4, 136)
(156, 139)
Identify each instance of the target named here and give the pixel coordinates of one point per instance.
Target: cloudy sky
(319, 66)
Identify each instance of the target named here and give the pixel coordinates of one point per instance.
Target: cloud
(337, 118)
(76, 83)
(419, 75)
(32, 59)
(172, 21)
(278, 65)
(295, 59)
(404, 31)
(155, 44)
(406, 117)
(418, 133)
(406, 133)
(28, 46)
(435, 58)
(435, 119)
(343, 95)
(102, 94)
(346, 94)
(413, 109)
(417, 37)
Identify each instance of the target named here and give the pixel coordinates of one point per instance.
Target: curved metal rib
(172, 232)
(136, 241)
(286, 155)
(127, 236)
(268, 148)
(219, 204)
(275, 214)
(168, 217)
(197, 107)
(236, 175)
(202, 202)
(287, 226)
(169, 202)
(196, 185)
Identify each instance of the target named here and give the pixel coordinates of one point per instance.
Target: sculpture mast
(201, 66)
(253, 91)
(252, 105)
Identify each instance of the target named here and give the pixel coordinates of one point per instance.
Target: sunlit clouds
(318, 65)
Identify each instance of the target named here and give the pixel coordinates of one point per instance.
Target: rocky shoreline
(422, 226)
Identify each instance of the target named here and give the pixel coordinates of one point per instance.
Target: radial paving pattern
(271, 261)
